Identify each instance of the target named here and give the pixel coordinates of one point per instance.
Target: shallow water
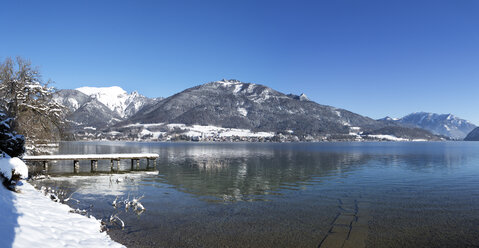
(286, 195)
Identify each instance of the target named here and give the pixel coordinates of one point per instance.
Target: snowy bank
(30, 219)
(13, 166)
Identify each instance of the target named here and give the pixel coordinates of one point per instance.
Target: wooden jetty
(114, 158)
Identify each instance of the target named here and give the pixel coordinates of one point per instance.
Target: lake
(352, 194)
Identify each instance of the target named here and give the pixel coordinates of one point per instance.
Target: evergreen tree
(10, 142)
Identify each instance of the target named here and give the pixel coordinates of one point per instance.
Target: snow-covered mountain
(221, 110)
(99, 107)
(248, 106)
(388, 119)
(231, 103)
(116, 99)
(441, 124)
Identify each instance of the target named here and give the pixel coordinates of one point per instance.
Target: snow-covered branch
(29, 101)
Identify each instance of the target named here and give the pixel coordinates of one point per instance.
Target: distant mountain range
(100, 107)
(248, 106)
(232, 110)
(441, 124)
(233, 104)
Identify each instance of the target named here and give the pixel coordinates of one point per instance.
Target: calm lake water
(381, 194)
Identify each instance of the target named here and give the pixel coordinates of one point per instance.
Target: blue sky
(375, 58)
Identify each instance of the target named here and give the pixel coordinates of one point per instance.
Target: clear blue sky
(374, 58)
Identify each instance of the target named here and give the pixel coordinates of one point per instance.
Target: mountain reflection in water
(287, 195)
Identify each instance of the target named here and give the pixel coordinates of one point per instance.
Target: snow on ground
(212, 131)
(237, 88)
(145, 125)
(30, 219)
(392, 138)
(386, 137)
(243, 111)
(356, 132)
(245, 133)
(154, 135)
(355, 129)
(176, 125)
(152, 130)
(10, 166)
(74, 103)
(226, 83)
(447, 127)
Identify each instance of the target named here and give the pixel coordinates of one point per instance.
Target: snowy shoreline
(30, 219)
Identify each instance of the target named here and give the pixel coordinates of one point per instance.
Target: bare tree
(28, 100)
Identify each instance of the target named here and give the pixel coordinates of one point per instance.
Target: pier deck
(135, 159)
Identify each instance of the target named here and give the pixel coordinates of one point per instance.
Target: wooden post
(138, 164)
(132, 164)
(76, 166)
(94, 165)
(147, 163)
(45, 166)
(111, 165)
(154, 163)
(118, 165)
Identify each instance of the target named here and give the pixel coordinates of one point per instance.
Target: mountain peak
(92, 91)
(237, 105)
(115, 98)
(303, 97)
(228, 82)
(443, 124)
(388, 118)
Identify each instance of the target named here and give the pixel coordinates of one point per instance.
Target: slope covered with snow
(226, 104)
(234, 104)
(441, 124)
(116, 99)
(95, 108)
(258, 108)
(11, 166)
(30, 219)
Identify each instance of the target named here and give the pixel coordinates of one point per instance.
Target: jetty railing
(114, 158)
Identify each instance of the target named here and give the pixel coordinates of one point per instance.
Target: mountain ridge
(440, 124)
(256, 107)
(99, 107)
(243, 101)
(116, 99)
(222, 110)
